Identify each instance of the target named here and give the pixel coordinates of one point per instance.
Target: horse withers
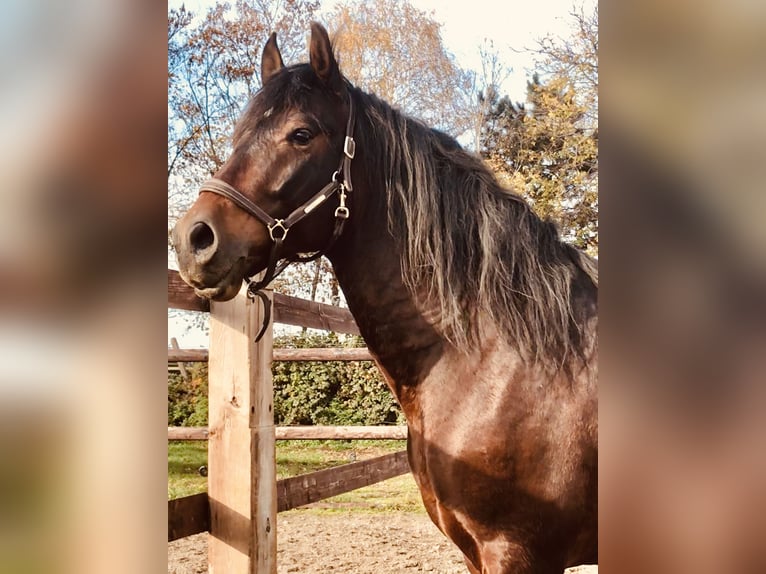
(482, 320)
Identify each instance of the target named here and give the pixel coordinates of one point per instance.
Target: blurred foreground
(82, 244)
(683, 288)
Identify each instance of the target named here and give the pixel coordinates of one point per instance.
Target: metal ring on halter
(278, 224)
(341, 212)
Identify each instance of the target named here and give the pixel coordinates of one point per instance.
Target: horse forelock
(290, 88)
(472, 247)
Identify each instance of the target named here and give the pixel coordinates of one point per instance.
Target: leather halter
(340, 183)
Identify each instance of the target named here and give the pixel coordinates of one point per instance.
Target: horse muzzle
(204, 264)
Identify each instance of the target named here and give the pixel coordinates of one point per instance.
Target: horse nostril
(201, 236)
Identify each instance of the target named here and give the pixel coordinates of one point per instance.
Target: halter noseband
(340, 183)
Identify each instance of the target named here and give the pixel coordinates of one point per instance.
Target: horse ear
(322, 59)
(271, 60)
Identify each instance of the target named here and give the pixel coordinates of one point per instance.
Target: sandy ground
(346, 543)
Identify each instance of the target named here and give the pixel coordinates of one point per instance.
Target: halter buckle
(349, 147)
(278, 224)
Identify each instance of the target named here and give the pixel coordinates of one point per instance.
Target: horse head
(282, 191)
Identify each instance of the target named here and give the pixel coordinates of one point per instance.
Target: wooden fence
(239, 509)
(306, 433)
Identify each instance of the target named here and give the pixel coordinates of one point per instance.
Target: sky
(511, 26)
(466, 24)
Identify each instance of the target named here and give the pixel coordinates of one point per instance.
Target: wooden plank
(182, 296)
(294, 311)
(188, 433)
(191, 514)
(181, 366)
(263, 452)
(308, 488)
(188, 515)
(307, 433)
(326, 354)
(342, 433)
(287, 310)
(188, 355)
(241, 456)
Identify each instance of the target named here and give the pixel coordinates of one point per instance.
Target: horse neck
(367, 264)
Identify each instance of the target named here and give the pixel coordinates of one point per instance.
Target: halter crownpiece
(340, 183)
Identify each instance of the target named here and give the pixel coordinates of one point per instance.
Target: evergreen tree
(544, 150)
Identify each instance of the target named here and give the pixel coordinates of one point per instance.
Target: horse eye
(301, 136)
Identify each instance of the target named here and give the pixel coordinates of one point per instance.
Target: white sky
(512, 27)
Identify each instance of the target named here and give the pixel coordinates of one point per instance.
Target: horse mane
(471, 246)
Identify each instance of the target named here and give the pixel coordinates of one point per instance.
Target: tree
(394, 50)
(576, 59)
(539, 150)
(213, 70)
(486, 88)
(547, 148)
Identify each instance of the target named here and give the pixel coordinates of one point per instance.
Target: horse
(482, 320)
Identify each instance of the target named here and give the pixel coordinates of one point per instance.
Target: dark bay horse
(482, 320)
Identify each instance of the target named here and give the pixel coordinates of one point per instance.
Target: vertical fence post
(181, 364)
(241, 456)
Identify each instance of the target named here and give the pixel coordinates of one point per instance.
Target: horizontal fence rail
(306, 433)
(188, 515)
(287, 310)
(301, 313)
(315, 486)
(319, 354)
(182, 296)
(191, 514)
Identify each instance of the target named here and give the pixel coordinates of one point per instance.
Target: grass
(399, 494)
(184, 460)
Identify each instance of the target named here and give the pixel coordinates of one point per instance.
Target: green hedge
(187, 400)
(305, 393)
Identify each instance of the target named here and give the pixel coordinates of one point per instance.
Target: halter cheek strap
(340, 183)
